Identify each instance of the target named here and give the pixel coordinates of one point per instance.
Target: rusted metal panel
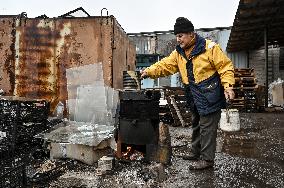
(7, 54)
(82, 46)
(123, 55)
(89, 42)
(35, 69)
(131, 55)
(45, 48)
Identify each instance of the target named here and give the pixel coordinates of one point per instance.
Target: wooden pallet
(244, 69)
(243, 88)
(178, 107)
(246, 90)
(245, 79)
(244, 72)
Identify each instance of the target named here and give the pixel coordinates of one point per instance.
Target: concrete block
(83, 153)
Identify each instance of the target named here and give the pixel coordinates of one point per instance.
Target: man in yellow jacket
(208, 77)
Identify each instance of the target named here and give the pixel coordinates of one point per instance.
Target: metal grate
(12, 171)
(8, 123)
(21, 119)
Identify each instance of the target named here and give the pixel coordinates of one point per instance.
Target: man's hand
(143, 74)
(229, 94)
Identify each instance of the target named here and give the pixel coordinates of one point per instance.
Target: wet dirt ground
(251, 157)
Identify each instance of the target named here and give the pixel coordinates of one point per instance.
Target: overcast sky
(135, 15)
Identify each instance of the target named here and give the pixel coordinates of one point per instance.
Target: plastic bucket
(230, 120)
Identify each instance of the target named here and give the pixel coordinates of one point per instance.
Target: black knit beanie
(183, 25)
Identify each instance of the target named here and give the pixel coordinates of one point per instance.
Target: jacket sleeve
(167, 66)
(224, 66)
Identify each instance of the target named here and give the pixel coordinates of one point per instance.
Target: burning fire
(132, 154)
(128, 152)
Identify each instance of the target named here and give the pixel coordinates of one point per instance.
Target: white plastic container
(230, 120)
(106, 163)
(59, 110)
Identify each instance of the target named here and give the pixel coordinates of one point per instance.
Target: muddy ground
(251, 157)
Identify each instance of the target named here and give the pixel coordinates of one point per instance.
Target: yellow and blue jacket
(205, 74)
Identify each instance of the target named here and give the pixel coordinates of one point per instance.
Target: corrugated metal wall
(239, 59)
(257, 61)
(145, 44)
(154, 43)
(40, 51)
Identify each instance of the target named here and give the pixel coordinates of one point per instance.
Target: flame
(128, 151)
(132, 154)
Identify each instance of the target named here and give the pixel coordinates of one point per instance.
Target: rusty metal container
(139, 121)
(35, 53)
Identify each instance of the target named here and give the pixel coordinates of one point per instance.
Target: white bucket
(230, 120)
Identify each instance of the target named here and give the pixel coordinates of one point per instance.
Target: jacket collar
(199, 47)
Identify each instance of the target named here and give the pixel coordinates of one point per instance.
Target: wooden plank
(244, 69)
(242, 88)
(238, 99)
(244, 74)
(245, 79)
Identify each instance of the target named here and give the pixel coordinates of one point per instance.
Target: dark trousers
(204, 134)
